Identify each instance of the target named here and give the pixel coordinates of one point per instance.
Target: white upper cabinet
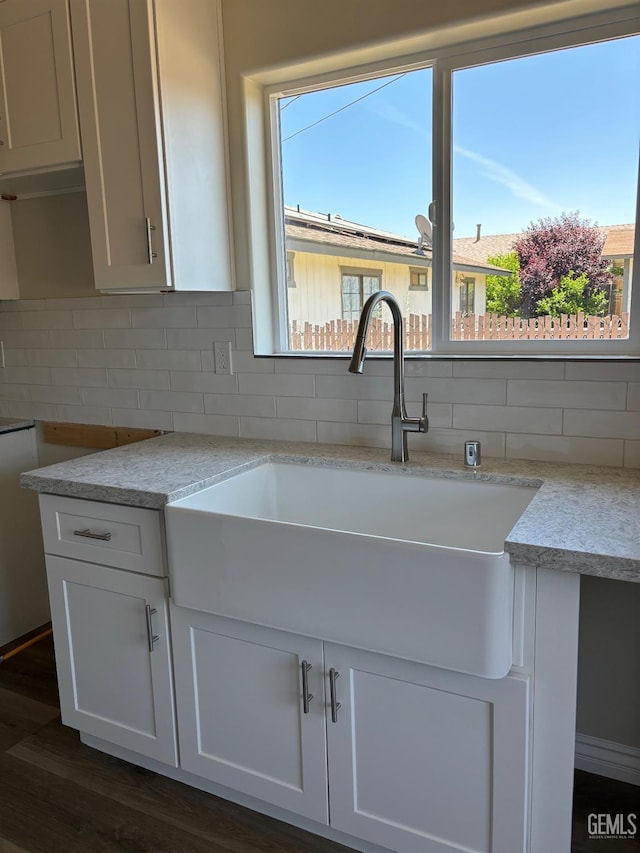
(38, 113)
(150, 96)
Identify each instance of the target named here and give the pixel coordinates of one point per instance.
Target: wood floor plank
(57, 750)
(21, 716)
(32, 673)
(44, 813)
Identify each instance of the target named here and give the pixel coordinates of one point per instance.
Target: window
(291, 279)
(513, 141)
(418, 279)
(467, 296)
(357, 287)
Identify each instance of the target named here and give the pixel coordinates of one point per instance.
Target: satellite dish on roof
(424, 229)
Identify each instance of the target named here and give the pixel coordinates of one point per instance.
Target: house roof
(619, 241)
(330, 230)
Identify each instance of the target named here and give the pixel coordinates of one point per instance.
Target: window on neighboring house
(291, 278)
(399, 156)
(467, 298)
(418, 279)
(357, 287)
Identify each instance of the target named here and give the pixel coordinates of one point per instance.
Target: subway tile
(102, 318)
(211, 383)
(58, 394)
(366, 435)
(18, 339)
(633, 397)
(354, 387)
(52, 357)
(106, 358)
(508, 419)
(172, 401)
(28, 410)
(169, 359)
(237, 316)
(139, 419)
(240, 404)
(72, 303)
(131, 300)
(245, 362)
(615, 371)
(500, 369)
(154, 379)
(85, 414)
(425, 367)
(196, 298)
(114, 398)
(163, 318)
(303, 364)
(15, 357)
(279, 429)
(279, 386)
(197, 339)
(242, 297)
(316, 409)
(14, 392)
(76, 339)
(28, 375)
(567, 394)
(10, 321)
(244, 339)
(135, 339)
(632, 454)
(93, 377)
(47, 320)
(481, 391)
(601, 424)
(555, 448)
(208, 424)
(376, 412)
(26, 305)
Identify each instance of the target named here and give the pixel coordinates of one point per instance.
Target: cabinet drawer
(121, 536)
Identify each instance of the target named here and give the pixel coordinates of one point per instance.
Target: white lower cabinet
(112, 645)
(418, 760)
(241, 715)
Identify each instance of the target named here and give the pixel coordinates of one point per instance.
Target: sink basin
(410, 566)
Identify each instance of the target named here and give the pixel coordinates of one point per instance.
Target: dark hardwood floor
(58, 796)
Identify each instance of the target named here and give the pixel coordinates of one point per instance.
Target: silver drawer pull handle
(334, 675)
(150, 253)
(306, 696)
(89, 534)
(152, 638)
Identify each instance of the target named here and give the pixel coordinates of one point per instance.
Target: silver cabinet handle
(306, 696)
(89, 534)
(151, 637)
(334, 675)
(150, 253)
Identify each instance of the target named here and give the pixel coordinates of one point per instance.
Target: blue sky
(532, 137)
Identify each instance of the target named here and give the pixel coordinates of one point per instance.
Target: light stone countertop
(583, 519)
(12, 424)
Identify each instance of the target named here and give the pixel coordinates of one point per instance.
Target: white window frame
(445, 61)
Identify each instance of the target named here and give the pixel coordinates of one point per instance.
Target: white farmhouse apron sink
(406, 565)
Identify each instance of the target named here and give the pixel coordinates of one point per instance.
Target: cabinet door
(424, 760)
(115, 682)
(114, 46)
(241, 719)
(38, 115)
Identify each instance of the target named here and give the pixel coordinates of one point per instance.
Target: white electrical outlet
(222, 356)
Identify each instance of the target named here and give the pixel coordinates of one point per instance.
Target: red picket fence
(340, 335)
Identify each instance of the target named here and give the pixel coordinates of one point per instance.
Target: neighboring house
(618, 248)
(333, 265)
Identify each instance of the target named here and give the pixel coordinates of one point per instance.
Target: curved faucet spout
(401, 424)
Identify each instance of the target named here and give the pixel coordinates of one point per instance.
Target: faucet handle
(424, 425)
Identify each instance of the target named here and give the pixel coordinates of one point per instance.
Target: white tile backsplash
(148, 361)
